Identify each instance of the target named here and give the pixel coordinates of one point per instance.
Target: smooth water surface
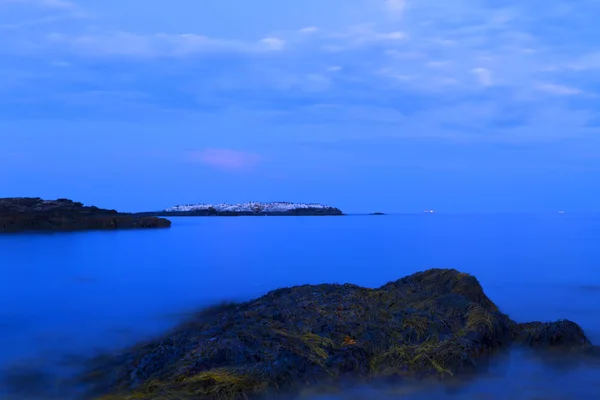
(72, 293)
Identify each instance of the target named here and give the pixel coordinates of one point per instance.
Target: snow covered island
(251, 208)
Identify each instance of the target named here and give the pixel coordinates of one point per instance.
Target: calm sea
(72, 293)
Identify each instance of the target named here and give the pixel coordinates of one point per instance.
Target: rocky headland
(436, 323)
(248, 209)
(35, 214)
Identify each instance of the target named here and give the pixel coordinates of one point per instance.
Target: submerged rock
(35, 214)
(438, 322)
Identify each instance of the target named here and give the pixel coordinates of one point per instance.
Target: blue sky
(469, 105)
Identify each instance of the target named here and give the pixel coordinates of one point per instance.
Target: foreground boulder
(35, 214)
(437, 322)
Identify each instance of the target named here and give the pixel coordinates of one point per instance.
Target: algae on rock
(438, 322)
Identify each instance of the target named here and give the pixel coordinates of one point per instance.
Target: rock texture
(35, 214)
(437, 322)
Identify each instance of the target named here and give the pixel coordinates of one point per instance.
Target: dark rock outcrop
(34, 214)
(564, 335)
(437, 322)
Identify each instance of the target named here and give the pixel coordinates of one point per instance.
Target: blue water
(72, 293)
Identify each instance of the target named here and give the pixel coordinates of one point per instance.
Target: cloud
(58, 4)
(586, 62)
(309, 29)
(484, 76)
(49, 4)
(225, 158)
(553, 88)
(366, 34)
(437, 64)
(396, 7)
(273, 43)
(396, 75)
(157, 45)
(439, 55)
(51, 9)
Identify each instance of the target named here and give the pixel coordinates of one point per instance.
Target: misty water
(73, 294)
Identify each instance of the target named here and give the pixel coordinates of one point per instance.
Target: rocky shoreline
(20, 214)
(436, 323)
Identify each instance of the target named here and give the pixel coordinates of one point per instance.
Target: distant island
(377, 213)
(248, 209)
(19, 214)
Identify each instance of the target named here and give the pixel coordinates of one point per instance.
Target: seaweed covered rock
(564, 334)
(35, 214)
(436, 322)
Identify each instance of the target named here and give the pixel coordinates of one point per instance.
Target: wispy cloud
(273, 43)
(50, 4)
(227, 159)
(553, 88)
(51, 9)
(484, 76)
(590, 61)
(363, 35)
(396, 7)
(309, 29)
(158, 45)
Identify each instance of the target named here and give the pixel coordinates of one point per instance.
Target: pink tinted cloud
(225, 158)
